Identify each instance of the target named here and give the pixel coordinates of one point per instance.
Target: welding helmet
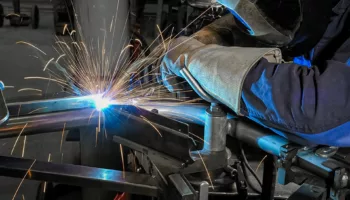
(296, 23)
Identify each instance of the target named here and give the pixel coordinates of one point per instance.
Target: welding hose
(247, 166)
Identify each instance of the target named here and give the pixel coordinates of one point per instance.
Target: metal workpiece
(151, 130)
(49, 106)
(204, 190)
(196, 86)
(215, 130)
(45, 123)
(327, 152)
(77, 175)
(213, 161)
(180, 189)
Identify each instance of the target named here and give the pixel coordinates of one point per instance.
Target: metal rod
(77, 175)
(45, 123)
(269, 178)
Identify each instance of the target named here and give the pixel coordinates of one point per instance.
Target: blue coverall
(309, 99)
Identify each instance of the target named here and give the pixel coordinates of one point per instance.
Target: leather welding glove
(220, 70)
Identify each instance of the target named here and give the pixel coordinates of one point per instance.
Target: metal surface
(182, 190)
(49, 106)
(152, 154)
(196, 87)
(203, 3)
(80, 176)
(326, 152)
(45, 123)
(148, 129)
(309, 192)
(215, 130)
(204, 190)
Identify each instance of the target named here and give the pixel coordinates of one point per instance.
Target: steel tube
(45, 123)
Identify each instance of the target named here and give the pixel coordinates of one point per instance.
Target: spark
(122, 155)
(64, 43)
(198, 138)
(96, 136)
(139, 41)
(71, 33)
(29, 89)
(206, 169)
(45, 183)
(61, 158)
(27, 43)
(24, 145)
(64, 127)
(44, 78)
(65, 28)
(260, 163)
(9, 87)
(13, 148)
(161, 35)
(76, 44)
(13, 14)
(23, 197)
(59, 57)
(150, 123)
(31, 112)
(28, 172)
(47, 64)
(19, 109)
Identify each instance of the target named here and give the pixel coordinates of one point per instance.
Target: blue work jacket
(308, 99)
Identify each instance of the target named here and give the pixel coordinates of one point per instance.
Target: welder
(283, 64)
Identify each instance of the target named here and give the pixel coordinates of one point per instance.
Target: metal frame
(172, 148)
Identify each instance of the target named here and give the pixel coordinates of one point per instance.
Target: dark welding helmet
(278, 22)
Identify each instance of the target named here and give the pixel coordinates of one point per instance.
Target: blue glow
(100, 102)
(348, 62)
(250, 30)
(301, 60)
(272, 144)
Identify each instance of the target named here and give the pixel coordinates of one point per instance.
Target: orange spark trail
(31, 112)
(24, 145)
(64, 127)
(206, 169)
(18, 138)
(150, 123)
(122, 154)
(47, 64)
(28, 172)
(27, 43)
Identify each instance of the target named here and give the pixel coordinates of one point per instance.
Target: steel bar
(50, 105)
(45, 123)
(80, 176)
(135, 124)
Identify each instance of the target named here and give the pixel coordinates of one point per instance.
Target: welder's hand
(179, 52)
(219, 70)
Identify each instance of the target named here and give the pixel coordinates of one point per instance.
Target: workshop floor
(17, 62)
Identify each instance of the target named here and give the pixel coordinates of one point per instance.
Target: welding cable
(249, 180)
(246, 163)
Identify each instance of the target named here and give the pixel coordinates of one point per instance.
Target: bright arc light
(101, 102)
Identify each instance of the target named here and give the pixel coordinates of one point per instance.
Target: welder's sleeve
(311, 103)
